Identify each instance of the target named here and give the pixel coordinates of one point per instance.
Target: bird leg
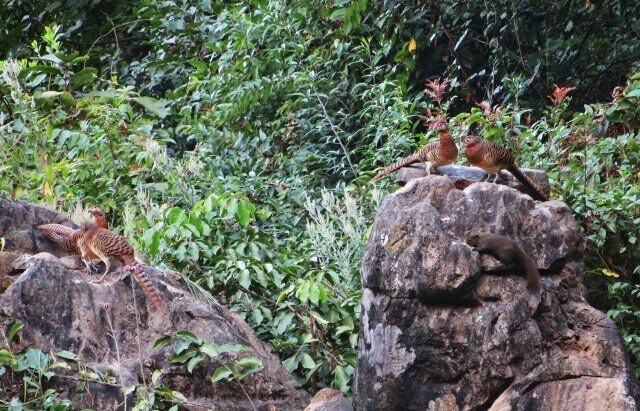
(93, 265)
(107, 271)
(427, 167)
(89, 264)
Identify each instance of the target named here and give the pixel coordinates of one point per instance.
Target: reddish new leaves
(559, 94)
(436, 89)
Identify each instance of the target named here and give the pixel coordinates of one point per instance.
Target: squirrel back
(507, 251)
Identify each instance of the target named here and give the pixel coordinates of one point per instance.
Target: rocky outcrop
(112, 328)
(462, 176)
(328, 399)
(18, 220)
(446, 328)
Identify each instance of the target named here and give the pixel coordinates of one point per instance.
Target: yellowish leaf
(48, 191)
(610, 273)
(412, 46)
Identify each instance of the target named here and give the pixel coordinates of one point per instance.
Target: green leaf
(257, 316)
(36, 80)
(178, 396)
(244, 278)
(36, 359)
(633, 93)
(14, 330)
(319, 318)
(341, 378)
(49, 94)
(187, 335)
(245, 210)
(151, 239)
(39, 69)
(290, 364)
(157, 107)
(155, 376)
(220, 374)
(50, 57)
(232, 348)
(200, 66)
(314, 293)
(307, 361)
(246, 366)
(182, 358)
(210, 348)
(162, 341)
(193, 362)
(66, 355)
(84, 76)
(338, 14)
(303, 292)
(175, 215)
(322, 293)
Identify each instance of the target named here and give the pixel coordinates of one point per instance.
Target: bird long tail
(402, 163)
(147, 286)
(65, 237)
(535, 191)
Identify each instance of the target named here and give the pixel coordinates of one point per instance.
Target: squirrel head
(473, 240)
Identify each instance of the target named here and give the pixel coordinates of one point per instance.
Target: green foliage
(190, 349)
(24, 376)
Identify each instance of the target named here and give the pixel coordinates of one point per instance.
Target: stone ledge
(463, 176)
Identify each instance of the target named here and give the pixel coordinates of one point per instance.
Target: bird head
(96, 211)
(470, 141)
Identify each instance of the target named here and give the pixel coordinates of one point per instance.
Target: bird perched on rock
(109, 246)
(67, 238)
(493, 159)
(435, 154)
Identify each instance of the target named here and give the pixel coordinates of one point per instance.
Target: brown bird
(109, 246)
(67, 238)
(435, 154)
(493, 159)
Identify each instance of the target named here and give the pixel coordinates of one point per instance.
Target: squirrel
(507, 251)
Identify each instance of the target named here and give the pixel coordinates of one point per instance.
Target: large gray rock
(18, 220)
(328, 399)
(62, 310)
(438, 332)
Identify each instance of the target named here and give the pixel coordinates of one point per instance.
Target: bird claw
(131, 267)
(105, 305)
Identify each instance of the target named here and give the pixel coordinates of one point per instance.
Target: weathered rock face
(61, 310)
(444, 327)
(18, 220)
(328, 399)
(462, 176)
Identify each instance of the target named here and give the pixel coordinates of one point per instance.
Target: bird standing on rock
(493, 159)
(109, 246)
(435, 154)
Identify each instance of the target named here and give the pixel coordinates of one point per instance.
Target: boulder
(444, 327)
(328, 399)
(112, 330)
(18, 220)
